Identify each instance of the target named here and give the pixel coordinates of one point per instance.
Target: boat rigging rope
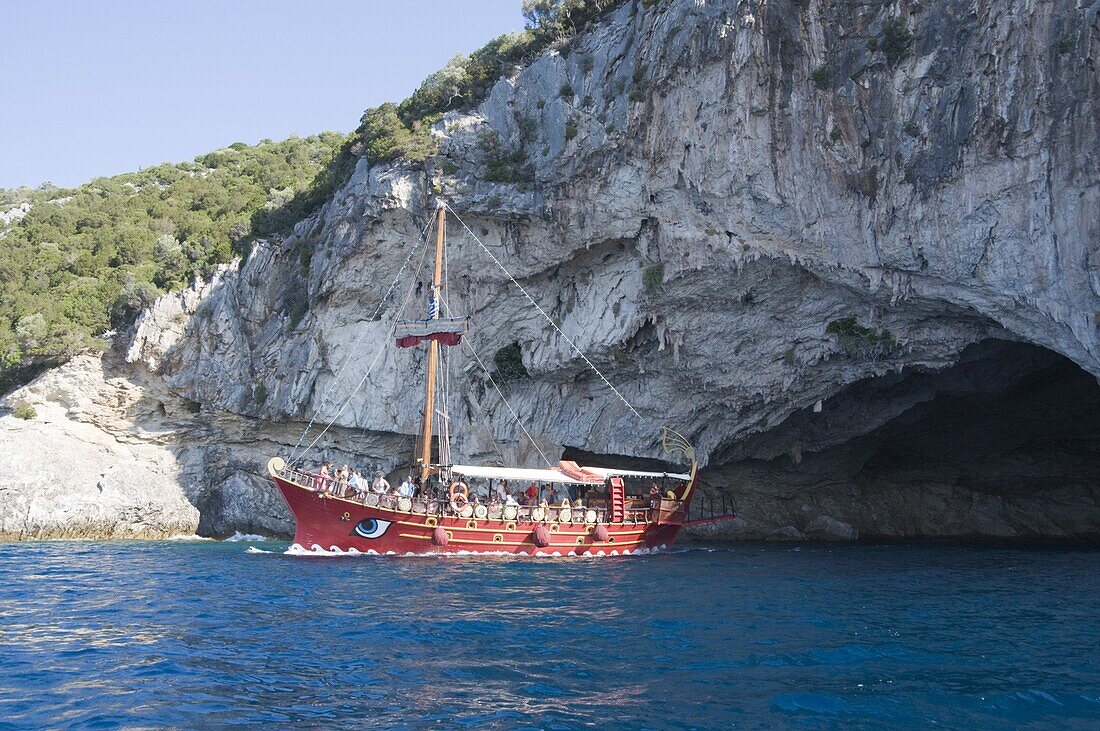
(295, 458)
(543, 313)
(515, 416)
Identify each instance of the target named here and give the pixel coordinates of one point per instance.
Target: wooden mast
(425, 457)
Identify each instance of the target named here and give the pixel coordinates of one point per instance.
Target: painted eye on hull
(371, 528)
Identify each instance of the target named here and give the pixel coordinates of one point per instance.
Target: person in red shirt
(532, 494)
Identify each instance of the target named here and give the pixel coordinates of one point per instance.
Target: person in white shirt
(357, 483)
(380, 485)
(407, 488)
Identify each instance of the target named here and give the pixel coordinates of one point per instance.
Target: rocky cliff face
(816, 238)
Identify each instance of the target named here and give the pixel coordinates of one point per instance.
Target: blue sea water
(215, 635)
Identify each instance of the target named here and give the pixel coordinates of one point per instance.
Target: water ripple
(229, 634)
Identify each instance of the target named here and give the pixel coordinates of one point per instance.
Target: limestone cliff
(814, 237)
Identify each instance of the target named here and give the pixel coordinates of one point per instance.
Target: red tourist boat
(596, 511)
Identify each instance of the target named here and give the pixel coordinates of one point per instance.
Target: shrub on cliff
(503, 165)
(653, 277)
(386, 137)
(896, 40)
(24, 411)
(508, 362)
(862, 342)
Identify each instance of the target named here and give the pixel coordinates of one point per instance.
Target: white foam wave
(238, 536)
(253, 549)
(296, 549)
(188, 537)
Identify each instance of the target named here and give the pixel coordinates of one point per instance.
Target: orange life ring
(459, 501)
(459, 486)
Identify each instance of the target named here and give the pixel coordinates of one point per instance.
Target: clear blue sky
(100, 88)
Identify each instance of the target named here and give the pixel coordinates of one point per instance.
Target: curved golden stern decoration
(676, 445)
(275, 466)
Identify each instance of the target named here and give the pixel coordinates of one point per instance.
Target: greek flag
(432, 307)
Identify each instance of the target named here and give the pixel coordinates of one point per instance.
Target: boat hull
(324, 523)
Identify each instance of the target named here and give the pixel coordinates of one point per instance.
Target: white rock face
(79, 468)
(12, 215)
(728, 179)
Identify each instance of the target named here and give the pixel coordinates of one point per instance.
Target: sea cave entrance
(1006, 443)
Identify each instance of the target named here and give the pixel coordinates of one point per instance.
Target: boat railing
(711, 506)
(640, 512)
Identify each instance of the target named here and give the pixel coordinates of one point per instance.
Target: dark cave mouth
(1007, 418)
(1005, 443)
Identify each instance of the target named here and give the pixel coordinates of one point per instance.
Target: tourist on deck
(324, 477)
(654, 494)
(532, 494)
(501, 491)
(407, 488)
(380, 485)
(509, 500)
(548, 494)
(357, 484)
(342, 476)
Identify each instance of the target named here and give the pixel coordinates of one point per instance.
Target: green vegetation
(24, 411)
(570, 131)
(385, 137)
(636, 95)
(835, 134)
(503, 165)
(508, 362)
(566, 90)
(89, 259)
(896, 40)
(1063, 45)
(820, 77)
(862, 342)
(553, 21)
(259, 394)
(653, 277)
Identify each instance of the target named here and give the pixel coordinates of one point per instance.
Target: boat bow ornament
(568, 509)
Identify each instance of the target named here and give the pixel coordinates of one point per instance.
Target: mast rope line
(546, 316)
(515, 416)
(344, 406)
(397, 316)
(295, 458)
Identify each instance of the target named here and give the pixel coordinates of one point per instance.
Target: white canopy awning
(606, 472)
(550, 475)
(514, 473)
